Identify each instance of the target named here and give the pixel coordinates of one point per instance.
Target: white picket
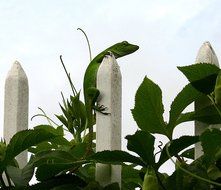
(206, 54)
(16, 105)
(108, 127)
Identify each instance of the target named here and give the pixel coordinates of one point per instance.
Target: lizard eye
(125, 42)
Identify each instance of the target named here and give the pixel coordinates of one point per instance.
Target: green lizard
(90, 91)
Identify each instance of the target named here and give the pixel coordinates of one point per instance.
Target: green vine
(188, 172)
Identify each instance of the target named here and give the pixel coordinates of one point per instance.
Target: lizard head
(123, 48)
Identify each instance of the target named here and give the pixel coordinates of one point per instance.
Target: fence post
(16, 105)
(206, 54)
(108, 127)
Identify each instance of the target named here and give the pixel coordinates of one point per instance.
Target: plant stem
(213, 102)
(88, 43)
(69, 77)
(187, 172)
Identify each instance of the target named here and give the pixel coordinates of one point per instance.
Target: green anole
(91, 93)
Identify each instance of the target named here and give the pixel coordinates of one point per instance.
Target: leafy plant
(58, 163)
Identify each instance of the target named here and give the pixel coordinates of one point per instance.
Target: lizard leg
(101, 109)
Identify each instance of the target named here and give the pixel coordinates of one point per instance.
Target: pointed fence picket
(206, 54)
(108, 127)
(16, 105)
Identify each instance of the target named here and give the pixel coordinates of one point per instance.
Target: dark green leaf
(54, 163)
(182, 100)
(60, 140)
(79, 110)
(47, 171)
(148, 110)
(214, 172)
(57, 131)
(42, 147)
(20, 177)
(143, 144)
(88, 171)
(78, 151)
(208, 115)
(180, 180)
(202, 76)
(176, 146)
(59, 181)
(113, 186)
(65, 112)
(24, 139)
(130, 176)
(67, 187)
(52, 156)
(93, 185)
(211, 141)
(62, 119)
(115, 157)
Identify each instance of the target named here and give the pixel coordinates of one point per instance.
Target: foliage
(58, 163)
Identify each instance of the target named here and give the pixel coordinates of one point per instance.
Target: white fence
(108, 130)
(206, 54)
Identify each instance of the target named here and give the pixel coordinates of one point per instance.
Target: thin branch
(88, 43)
(69, 77)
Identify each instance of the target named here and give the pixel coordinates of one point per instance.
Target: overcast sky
(169, 34)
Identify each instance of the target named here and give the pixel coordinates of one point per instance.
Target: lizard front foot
(101, 109)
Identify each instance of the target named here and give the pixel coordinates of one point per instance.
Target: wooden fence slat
(108, 127)
(206, 54)
(16, 105)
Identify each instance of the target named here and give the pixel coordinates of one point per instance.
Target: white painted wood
(108, 127)
(206, 54)
(16, 105)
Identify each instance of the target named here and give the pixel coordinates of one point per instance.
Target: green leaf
(49, 165)
(67, 187)
(130, 176)
(52, 163)
(52, 156)
(148, 110)
(78, 151)
(79, 110)
(214, 172)
(20, 177)
(176, 146)
(57, 131)
(59, 181)
(93, 185)
(47, 171)
(187, 95)
(143, 144)
(22, 140)
(87, 171)
(202, 76)
(113, 186)
(217, 90)
(42, 147)
(180, 180)
(62, 119)
(208, 115)
(115, 157)
(211, 141)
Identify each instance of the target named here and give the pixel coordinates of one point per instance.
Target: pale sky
(169, 34)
